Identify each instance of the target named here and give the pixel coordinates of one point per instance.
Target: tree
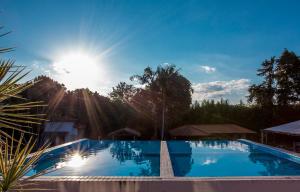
(263, 94)
(278, 96)
(281, 82)
(123, 92)
(267, 71)
(50, 91)
(169, 90)
(288, 78)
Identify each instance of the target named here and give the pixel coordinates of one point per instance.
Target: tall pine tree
(263, 94)
(287, 78)
(281, 84)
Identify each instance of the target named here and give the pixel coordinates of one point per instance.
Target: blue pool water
(213, 158)
(102, 158)
(210, 158)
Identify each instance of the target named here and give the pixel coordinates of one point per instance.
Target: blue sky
(217, 44)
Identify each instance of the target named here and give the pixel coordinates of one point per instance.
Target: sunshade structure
(277, 134)
(292, 128)
(124, 133)
(188, 130)
(210, 131)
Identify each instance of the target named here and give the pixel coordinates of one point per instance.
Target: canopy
(125, 131)
(209, 130)
(292, 128)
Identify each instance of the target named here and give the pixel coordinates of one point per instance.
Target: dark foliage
(281, 84)
(250, 116)
(164, 101)
(98, 114)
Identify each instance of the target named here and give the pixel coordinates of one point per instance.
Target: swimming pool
(102, 158)
(207, 158)
(213, 158)
(146, 166)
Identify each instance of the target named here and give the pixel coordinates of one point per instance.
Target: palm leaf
(16, 161)
(4, 50)
(16, 116)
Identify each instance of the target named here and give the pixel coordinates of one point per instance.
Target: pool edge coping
(158, 178)
(166, 168)
(289, 155)
(272, 147)
(59, 146)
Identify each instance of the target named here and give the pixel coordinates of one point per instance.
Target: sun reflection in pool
(75, 160)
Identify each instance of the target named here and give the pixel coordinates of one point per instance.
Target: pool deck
(175, 184)
(166, 170)
(168, 182)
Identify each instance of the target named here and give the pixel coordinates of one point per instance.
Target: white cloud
(41, 67)
(207, 69)
(234, 90)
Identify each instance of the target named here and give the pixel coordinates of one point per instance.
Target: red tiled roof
(208, 129)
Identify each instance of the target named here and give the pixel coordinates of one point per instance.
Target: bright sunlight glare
(78, 69)
(75, 161)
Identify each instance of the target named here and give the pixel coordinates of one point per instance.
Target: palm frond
(16, 116)
(16, 161)
(10, 77)
(4, 50)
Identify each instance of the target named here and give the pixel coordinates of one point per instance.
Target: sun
(78, 69)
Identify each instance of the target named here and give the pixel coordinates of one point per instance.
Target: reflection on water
(221, 145)
(272, 164)
(139, 153)
(74, 160)
(209, 161)
(141, 158)
(226, 158)
(111, 158)
(181, 148)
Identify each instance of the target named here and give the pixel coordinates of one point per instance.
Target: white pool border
(168, 182)
(270, 149)
(166, 169)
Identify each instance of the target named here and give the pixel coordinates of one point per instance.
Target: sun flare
(78, 69)
(75, 160)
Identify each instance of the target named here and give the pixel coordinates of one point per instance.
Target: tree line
(281, 81)
(279, 92)
(163, 100)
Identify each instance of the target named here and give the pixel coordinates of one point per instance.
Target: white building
(60, 132)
